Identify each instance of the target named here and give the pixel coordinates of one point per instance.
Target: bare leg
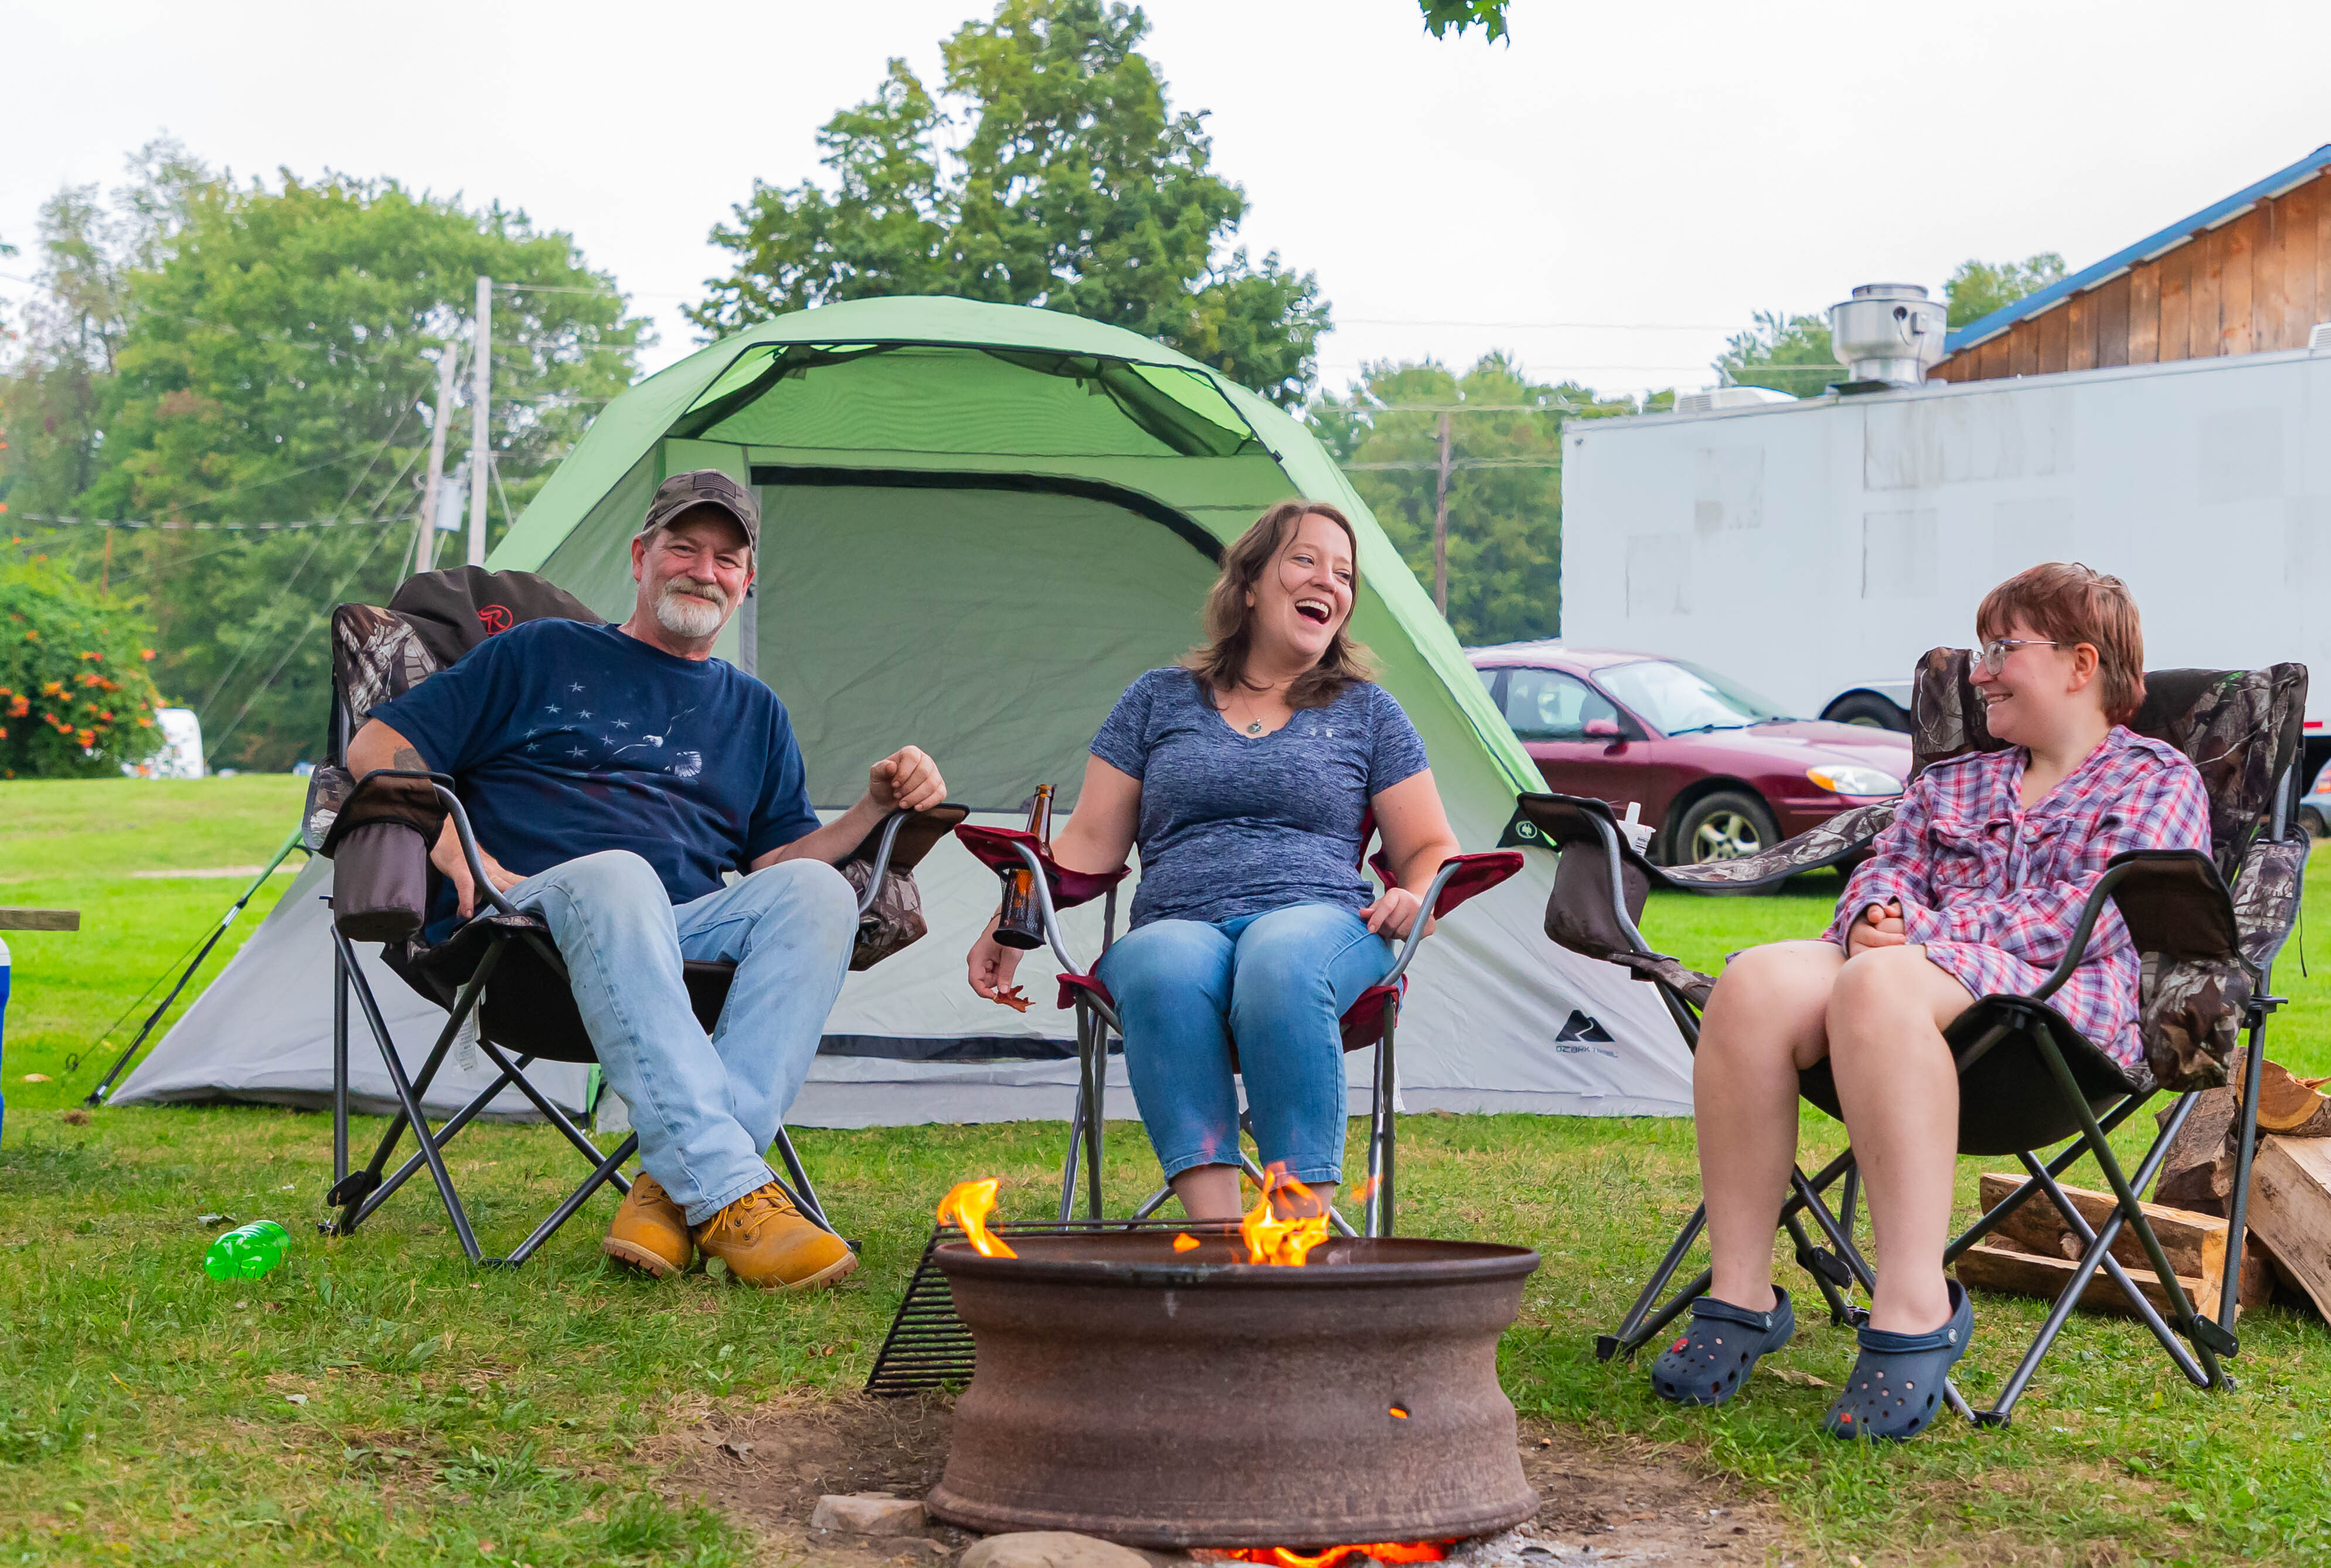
(1212, 1192)
(1208, 1192)
(1900, 1091)
(1763, 1027)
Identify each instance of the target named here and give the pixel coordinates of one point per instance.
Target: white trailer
(1814, 549)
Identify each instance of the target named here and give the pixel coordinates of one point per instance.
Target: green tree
(75, 699)
(1074, 187)
(1442, 17)
(1979, 288)
(1789, 354)
(262, 354)
(1505, 483)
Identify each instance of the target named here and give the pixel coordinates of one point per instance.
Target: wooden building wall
(2253, 286)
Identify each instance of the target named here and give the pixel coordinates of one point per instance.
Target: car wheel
(2312, 821)
(1727, 825)
(1871, 710)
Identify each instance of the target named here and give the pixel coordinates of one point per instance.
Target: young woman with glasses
(1972, 890)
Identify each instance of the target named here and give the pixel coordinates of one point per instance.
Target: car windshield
(1677, 698)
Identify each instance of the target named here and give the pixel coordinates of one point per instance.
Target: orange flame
(1186, 1242)
(1284, 1242)
(1381, 1551)
(967, 1206)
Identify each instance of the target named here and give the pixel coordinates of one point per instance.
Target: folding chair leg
(1096, 1073)
(1076, 1153)
(2245, 1147)
(559, 1118)
(403, 1173)
(339, 1067)
(410, 1099)
(603, 1173)
(804, 1194)
(1842, 1312)
(2064, 1161)
(2202, 1369)
(1376, 1214)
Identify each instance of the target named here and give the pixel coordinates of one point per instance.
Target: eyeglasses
(1992, 656)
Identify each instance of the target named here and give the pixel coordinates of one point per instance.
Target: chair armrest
(899, 842)
(2266, 896)
(1458, 879)
(999, 850)
(1461, 876)
(2173, 901)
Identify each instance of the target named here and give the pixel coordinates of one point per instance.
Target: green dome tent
(980, 522)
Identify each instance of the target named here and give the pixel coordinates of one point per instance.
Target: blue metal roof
(2145, 249)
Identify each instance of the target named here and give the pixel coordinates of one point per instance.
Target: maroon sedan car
(1719, 772)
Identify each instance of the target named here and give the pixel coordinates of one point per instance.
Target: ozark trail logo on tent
(494, 618)
(1583, 1032)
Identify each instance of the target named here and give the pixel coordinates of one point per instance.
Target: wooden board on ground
(2195, 1245)
(1987, 1266)
(2290, 1210)
(39, 919)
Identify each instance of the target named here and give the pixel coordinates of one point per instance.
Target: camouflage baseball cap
(704, 487)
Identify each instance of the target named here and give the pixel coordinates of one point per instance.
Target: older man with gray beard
(613, 774)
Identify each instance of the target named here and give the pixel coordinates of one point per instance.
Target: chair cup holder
(380, 882)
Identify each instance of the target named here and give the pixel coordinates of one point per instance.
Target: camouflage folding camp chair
(2028, 1079)
(498, 976)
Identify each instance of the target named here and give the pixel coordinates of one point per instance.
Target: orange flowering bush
(75, 699)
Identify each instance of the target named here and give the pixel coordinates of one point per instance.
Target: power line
(50, 521)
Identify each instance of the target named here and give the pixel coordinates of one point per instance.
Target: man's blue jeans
(705, 1109)
(1277, 982)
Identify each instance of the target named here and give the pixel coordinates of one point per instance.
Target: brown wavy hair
(2068, 605)
(1220, 661)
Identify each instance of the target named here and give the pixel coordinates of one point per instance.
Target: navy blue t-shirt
(564, 739)
(1234, 825)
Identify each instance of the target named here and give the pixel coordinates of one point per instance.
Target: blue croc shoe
(1896, 1387)
(1719, 1350)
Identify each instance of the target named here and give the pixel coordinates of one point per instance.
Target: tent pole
(96, 1097)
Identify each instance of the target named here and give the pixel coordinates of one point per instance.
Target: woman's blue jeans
(1276, 982)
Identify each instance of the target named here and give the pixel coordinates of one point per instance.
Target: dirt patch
(1605, 1502)
(1641, 1502)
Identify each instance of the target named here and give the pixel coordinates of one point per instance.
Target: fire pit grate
(928, 1346)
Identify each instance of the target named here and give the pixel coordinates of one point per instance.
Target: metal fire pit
(1162, 1398)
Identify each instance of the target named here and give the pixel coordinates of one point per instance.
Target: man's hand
(446, 855)
(1395, 914)
(991, 964)
(1878, 925)
(908, 778)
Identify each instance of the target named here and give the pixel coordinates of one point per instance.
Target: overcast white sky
(1667, 167)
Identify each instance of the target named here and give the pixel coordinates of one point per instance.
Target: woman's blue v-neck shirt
(1234, 824)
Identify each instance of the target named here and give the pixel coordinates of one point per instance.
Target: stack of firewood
(2033, 1251)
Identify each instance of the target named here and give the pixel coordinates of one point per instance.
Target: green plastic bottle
(247, 1251)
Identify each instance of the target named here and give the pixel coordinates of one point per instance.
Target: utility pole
(481, 420)
(1441, 526)
(425, 538)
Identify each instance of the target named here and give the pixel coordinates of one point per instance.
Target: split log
(1988, 1267)
(2198, 1172)
(2195, 1245)
(39, 919)
(2290, 1210)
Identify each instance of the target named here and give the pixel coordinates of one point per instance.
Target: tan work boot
(764, 1241)
(650, 1233)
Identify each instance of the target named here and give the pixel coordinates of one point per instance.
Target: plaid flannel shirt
(1994, 890)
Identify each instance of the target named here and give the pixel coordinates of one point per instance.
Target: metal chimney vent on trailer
(1887, 335)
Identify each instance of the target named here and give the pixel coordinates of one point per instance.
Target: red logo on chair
(494, 618)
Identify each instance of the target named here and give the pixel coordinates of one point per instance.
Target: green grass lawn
(378, 1401)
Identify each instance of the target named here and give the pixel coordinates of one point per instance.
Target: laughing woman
(1246, 776)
